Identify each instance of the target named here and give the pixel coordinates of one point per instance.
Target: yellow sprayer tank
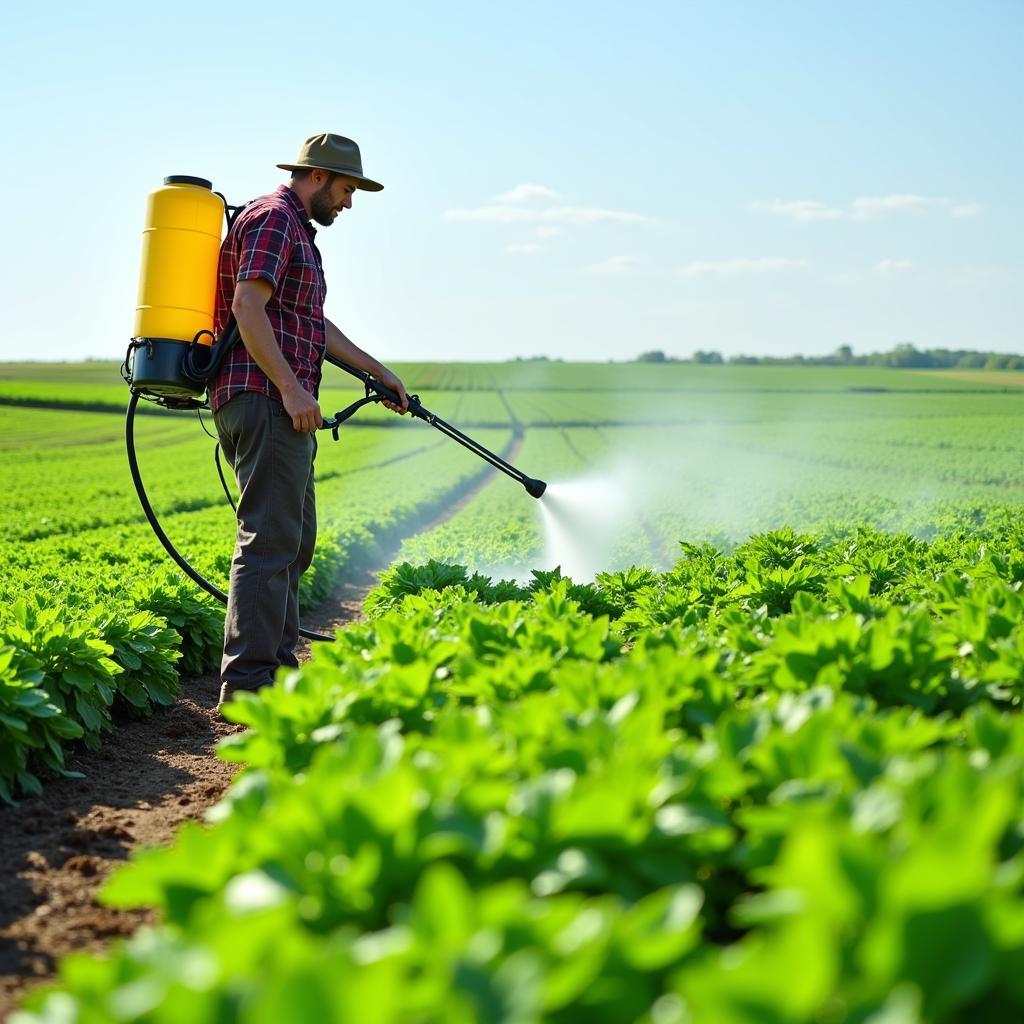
(177, 289)
(180, 245)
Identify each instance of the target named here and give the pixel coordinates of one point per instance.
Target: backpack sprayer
(174, 354)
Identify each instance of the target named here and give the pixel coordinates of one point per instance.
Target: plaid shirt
(272, 240)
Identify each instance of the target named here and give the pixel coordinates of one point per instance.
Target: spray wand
(377, 392)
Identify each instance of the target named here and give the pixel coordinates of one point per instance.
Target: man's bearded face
(329, 200)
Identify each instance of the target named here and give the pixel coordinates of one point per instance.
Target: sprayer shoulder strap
(231, 212)
(234, 211)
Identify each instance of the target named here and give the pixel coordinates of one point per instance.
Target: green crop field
(726, 728)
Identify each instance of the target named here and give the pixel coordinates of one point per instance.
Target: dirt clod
(82, 865)
(113, 829)
(35, 860)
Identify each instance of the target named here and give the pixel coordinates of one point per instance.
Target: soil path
(56, 849)
(151, 774)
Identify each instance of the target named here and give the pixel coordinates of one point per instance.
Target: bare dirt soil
(151, 774)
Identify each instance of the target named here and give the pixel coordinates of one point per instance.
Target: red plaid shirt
(272, 240)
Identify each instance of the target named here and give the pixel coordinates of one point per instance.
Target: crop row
(49, 490)
(782, 784)
(93, 615)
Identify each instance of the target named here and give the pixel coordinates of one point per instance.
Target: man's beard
(320, 206)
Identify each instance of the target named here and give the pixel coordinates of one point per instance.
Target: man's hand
(388, 379)
(303, 408)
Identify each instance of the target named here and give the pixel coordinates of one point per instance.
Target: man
(264, 398)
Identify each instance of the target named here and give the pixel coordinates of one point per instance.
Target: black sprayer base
(156, 369)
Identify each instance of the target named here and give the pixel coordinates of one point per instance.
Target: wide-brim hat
(326, 152)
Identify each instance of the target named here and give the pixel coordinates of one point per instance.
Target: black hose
(223, 480)
(175, 554)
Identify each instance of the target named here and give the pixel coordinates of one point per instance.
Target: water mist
(583, 521)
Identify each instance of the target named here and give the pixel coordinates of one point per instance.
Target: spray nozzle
(534, 488)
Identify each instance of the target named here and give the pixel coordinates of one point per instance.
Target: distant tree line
(902, 356)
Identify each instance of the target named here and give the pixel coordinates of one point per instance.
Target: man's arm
(343, 348)
(250, 308)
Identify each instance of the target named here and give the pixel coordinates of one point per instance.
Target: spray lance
(377, 392)
(174, 353)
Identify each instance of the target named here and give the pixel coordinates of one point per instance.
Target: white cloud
(526, 193)
(800, 209)
(495, 214)
(741, 266)
(966, 210)
(867, 207)
(551, 215)
(893, 266)
(615, 265)
(524, 248)
(591, 215)
(547, 231)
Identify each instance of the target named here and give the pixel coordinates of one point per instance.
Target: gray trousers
(273, 465)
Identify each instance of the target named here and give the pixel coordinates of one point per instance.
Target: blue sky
(582, 180)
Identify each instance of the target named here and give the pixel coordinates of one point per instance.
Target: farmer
(264, 398)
